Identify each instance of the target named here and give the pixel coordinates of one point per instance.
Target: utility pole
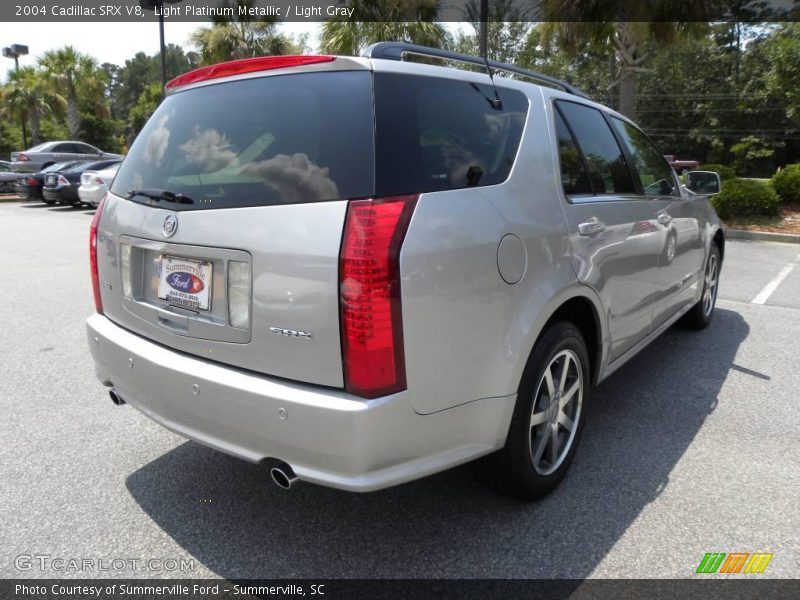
(15, 51)
(158, 7)
(483, 34)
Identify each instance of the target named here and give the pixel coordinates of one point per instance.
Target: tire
(526, 467)
(671, 247)
(700, 315)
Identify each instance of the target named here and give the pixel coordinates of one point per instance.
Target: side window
(62, 148)
(654, 171)
(607, 166)
(574, 176)
(437, 134)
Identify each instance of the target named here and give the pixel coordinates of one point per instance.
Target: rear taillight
(99, 181)
(63, 180)
(98, 301)
(22, 157)
(32, 181)
(369, 280)
(245, 65)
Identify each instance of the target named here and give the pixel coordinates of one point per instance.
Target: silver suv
(361, 271)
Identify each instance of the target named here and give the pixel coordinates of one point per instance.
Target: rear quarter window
(437, 134)
(270, 140)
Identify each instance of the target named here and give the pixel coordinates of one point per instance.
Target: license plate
(185, 282)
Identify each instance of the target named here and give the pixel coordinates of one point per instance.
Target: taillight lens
(32, 181)
(369, 279)
(98, 301)
(245, 65)
(63, 180)
(239, 294)
(99, 181)
(22, 157)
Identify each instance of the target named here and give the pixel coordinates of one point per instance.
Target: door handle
(591, 226)
(664, 218)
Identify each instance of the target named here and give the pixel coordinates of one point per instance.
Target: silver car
(388, 268)
(94, 184)
(8, 177)
(44, 155)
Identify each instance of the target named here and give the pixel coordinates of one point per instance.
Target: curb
(762, 236)
(13, 199)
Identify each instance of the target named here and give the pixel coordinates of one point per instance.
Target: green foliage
(413, 21)
(724, 172)
(786, 183)
(754, 155)
(742, 198)
(145, 106)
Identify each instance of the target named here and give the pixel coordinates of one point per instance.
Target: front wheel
(699, 316)
(548, 418)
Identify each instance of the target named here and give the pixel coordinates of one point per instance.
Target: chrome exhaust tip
(283, 476)
(115, 397)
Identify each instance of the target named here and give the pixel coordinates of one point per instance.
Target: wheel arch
(580, 306)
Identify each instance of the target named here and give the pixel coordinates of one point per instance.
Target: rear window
(270, 140)
(441, 134)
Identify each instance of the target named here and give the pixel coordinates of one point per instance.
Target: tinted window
(607, 166)
(62, 148)
(442, 134)
(655, 173)
(271, 140)
(574, 176)
(4, 167)
(39, 148)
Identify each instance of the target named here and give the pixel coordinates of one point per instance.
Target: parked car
(43, 155)
(29, 186)
(7, 177)
(94, 184)
(62, 186)
(681, 166)
(400, 268)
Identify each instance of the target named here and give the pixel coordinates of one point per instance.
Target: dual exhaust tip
(115, 397)
(282, 474)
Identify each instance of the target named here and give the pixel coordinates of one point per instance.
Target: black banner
(732, 588)
(396, 10)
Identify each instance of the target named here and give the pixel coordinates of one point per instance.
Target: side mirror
(705, 183)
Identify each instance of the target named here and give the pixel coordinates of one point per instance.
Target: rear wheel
(548, 417)
(700, 314)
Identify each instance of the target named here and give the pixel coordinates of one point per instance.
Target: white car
(94, 184)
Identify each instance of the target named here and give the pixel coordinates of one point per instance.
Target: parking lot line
(772, 285)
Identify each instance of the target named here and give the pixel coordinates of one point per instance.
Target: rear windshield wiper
(154, 194)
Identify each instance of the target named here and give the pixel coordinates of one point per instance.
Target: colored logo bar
(735, 562)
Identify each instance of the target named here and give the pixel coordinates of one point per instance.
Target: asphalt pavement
(692, 447)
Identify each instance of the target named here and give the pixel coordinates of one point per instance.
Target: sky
(110, 42)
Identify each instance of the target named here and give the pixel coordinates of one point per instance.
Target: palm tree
(240, 36)
(78, 76)
(413, 21)
(30, 96)
(646, 25)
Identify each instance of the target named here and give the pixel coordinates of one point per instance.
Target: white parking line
(767, 290)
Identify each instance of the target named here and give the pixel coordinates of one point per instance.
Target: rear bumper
(326, 435)
(91, 195)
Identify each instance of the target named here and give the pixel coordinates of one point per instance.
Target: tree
(29, 96)
(241, 36)
(572, 22)
(145, 106)
(413, 21)
(78, 76)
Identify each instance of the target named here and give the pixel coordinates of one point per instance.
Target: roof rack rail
(398, 51)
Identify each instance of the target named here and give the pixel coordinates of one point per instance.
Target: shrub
(725, 173)
(745, 198)
(787, 183)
